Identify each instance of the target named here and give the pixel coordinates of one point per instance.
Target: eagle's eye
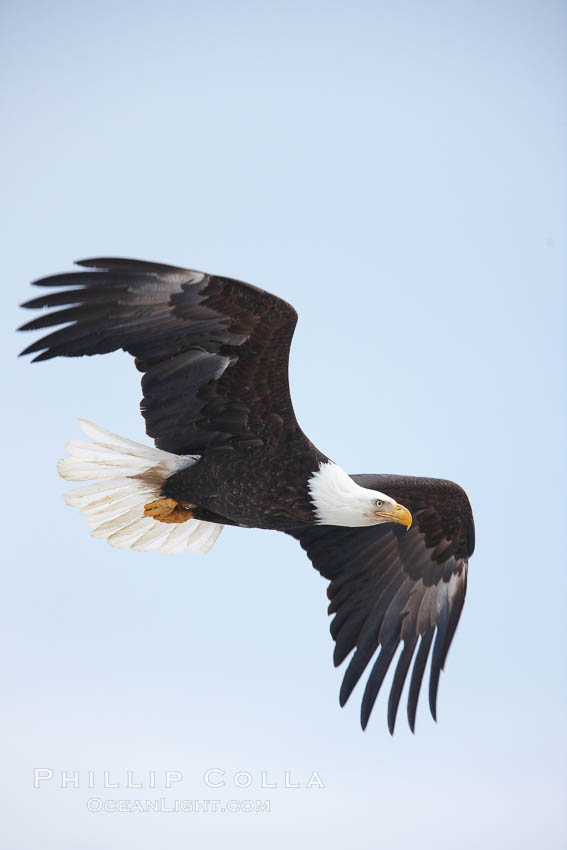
(378, 503)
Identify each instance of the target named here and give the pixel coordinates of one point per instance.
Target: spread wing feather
(214, 350)
(390, 588)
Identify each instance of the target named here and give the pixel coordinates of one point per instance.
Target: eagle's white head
(338, 500)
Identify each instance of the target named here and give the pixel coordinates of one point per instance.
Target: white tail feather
(127, 476)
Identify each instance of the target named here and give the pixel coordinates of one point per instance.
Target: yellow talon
(169, 510)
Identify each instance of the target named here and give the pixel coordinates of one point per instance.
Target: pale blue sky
(397, 171)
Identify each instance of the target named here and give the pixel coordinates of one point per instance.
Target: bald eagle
(229, 451)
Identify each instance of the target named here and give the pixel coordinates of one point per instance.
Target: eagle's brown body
(225, 485)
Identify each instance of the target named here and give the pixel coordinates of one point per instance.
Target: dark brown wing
(389, 586)
(214, 350)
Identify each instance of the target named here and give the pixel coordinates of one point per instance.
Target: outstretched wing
(390, 587)
(214, 350)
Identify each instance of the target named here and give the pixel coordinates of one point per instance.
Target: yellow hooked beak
(397, 514)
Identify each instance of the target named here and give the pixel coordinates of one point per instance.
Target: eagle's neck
(338, 500)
